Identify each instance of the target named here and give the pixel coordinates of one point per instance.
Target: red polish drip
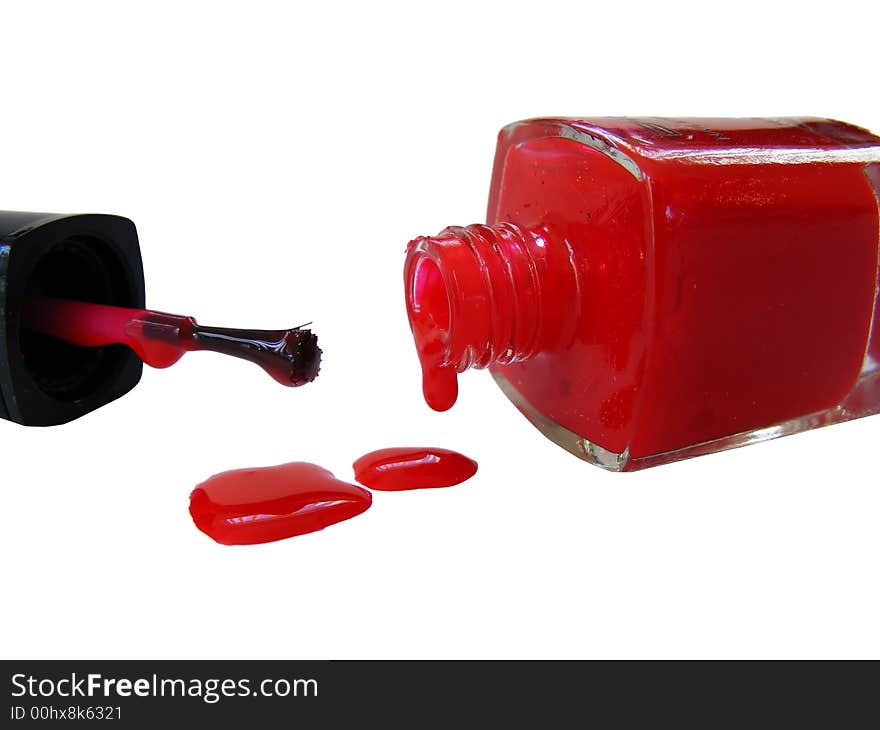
(249, 506)
(397, 469)
(291, 357)
(429, 320)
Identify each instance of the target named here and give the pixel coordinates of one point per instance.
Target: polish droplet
(248, 506)
(429, 319)
(439, 386)
(413, 467)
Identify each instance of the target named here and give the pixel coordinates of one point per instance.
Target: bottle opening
(430, 302)
(477, 296)
(428, 308)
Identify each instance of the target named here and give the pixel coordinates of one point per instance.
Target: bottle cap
(93, 258)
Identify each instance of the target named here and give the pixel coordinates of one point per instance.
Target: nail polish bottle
(95, 258)
(647, 290)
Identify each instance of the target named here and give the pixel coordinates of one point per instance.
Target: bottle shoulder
(641, 144)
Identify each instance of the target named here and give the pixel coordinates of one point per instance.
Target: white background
(276, 158)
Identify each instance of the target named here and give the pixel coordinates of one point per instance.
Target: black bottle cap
(94, 258)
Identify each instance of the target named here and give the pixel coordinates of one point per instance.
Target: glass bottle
(647, 290)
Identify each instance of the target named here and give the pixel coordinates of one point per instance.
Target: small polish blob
(292, 357)
(439, 385)
(249, 506)
(411, 467)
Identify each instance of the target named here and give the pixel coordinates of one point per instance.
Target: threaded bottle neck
(481, 294)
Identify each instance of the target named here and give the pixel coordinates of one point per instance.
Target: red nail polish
(250, 506)
(652, 289)
(411, 467)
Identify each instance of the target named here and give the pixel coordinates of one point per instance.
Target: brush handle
(160, 339)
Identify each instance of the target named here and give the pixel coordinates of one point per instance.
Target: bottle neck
(480, 294)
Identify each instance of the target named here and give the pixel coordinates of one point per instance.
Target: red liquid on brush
(291, 357)
(401, 468)
(248, 506)
(725, 277)
(97, 325)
